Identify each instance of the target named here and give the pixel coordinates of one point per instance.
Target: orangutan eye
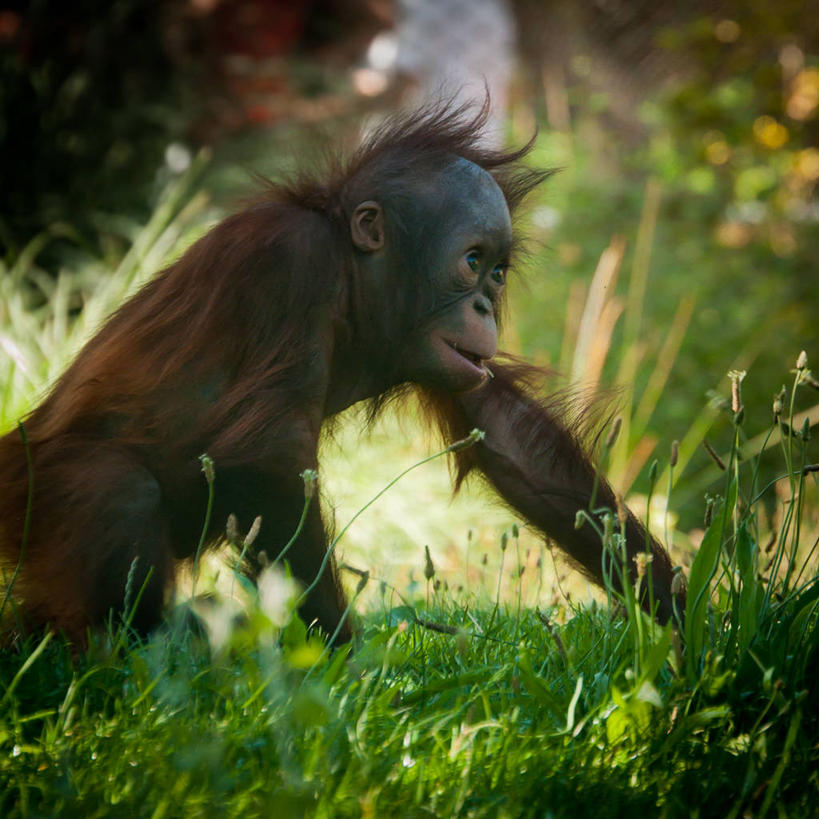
(499, 274)
(473, 261)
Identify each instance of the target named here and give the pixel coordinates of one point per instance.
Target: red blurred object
(258, 29)
(246, 49)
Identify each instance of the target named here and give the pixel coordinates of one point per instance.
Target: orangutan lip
(467, 354)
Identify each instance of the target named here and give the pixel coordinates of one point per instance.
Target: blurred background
(678, 242)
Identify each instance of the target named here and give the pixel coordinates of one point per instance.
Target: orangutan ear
(367, 227)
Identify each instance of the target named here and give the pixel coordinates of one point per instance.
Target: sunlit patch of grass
(44, 321)
(463, 532)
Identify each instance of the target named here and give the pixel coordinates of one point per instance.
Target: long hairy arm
(539, 466)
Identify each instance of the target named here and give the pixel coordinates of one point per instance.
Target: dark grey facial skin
(461, 233)
(467, 231)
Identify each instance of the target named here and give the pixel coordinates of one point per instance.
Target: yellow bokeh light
(804, 98)
(807, 164)
(718, 152)
(769, 133)
(727, 31)
(734, 234)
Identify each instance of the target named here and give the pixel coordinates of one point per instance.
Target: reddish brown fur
(540, 467)
(230, 351)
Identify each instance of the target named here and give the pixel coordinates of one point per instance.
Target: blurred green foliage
(735, 138)
(89, 102)
(741, 127)
(729, 133)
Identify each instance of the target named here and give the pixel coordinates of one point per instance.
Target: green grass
(450, 703)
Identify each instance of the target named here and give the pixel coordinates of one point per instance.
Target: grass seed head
(429, 567)
(254, 532)
(714, 456)
(208, 467)
(611, 438)
(641, 561)
(232, 529)
(622, 514)
(473, 438)
(709, 512)
(652, 473)
(608, 527)
(736, 377)
(779, 404)
(310, 478)
(802, 361)
(362, 582)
